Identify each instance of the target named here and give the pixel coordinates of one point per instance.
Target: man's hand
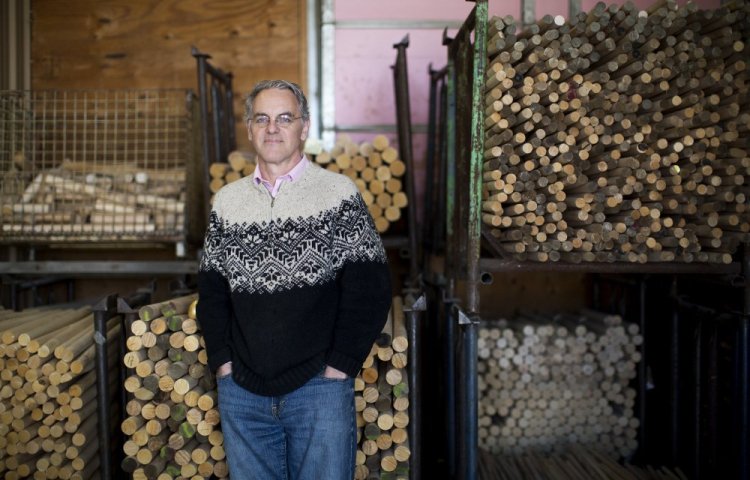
(224, 370)
(331, 372)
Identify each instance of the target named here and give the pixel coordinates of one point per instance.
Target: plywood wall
(146, 43)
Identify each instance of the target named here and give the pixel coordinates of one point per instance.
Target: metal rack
(95, 165)
(457, 158)
(72, 140)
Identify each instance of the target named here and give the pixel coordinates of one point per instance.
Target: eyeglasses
(283, 120)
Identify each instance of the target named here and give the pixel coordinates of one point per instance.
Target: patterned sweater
(290, 284)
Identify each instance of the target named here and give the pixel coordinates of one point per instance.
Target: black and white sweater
(290, 284)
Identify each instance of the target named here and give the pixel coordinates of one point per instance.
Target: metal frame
(464, 239)
(107, 308)
(403, 121)
(465, 75)
(414, 320)
(217, 104)
(103, 311)
(100, 268)
(18, 286)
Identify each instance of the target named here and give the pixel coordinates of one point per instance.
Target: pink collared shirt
(293, 175)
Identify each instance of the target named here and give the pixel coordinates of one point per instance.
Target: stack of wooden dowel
(382, 403)
(550, 381)
(619, 135)
(172, 422)
(96, 201)
(48, 397)
(377, 171)
(239, 164)
(573, 464)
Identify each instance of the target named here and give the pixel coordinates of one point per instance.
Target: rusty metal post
(103, 311)
(403, 121)
(414, 315)
(744, 370)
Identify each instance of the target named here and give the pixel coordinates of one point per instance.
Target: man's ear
(305, 130)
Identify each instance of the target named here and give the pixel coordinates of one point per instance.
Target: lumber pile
(547, 381)
(619, 135)
(48, 395)
(382, 402)
(376, 170)
(172, 417)
(573, 464)
(80, 200)
(239, 164)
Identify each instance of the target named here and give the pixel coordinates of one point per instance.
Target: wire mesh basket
(97, 165)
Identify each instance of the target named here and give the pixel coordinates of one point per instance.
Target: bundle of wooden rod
(48, 395)
(619, 135)
(95, 200)
(377, 171)
(573, 464)
(239, 164)
(549, 381)
(382, 402)
(172, 423)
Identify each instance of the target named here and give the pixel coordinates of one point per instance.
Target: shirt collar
(292, 175)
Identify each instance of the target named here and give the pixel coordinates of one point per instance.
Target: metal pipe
(429, 201)
(642, 369)
(470, 407)
(713, 397)
(698, 394)
(217, 122)
(414, 315)
(439, 236)
(502, 265)
(675, 379)
(203, 100)
(744, 367)
(449, 367)
(403, 119)
(103, 311)
(229, 112)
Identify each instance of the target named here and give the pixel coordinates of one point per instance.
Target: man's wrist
(224, 370)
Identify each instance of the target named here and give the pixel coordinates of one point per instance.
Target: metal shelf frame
(466, 241)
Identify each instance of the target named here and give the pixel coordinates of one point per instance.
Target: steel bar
(502, 265)
(414, 318)
(643, 366)
(98, 268)
(698, 397)
(428, 244)
(451, 386)
(103, 311)
(744, 367)
(202, 59)
(403, 120)
(675, 405)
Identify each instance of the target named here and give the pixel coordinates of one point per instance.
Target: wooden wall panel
(146, 43)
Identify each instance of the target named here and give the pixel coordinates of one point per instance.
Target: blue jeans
(308, 434)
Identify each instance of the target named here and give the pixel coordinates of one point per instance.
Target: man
(294, 288)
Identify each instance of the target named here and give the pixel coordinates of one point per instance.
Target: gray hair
(279, 85)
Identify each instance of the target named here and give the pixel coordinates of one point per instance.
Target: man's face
(275, 143)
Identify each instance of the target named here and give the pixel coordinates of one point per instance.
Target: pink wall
(402, 9)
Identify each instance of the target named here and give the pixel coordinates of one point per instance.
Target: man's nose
(272, 126)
